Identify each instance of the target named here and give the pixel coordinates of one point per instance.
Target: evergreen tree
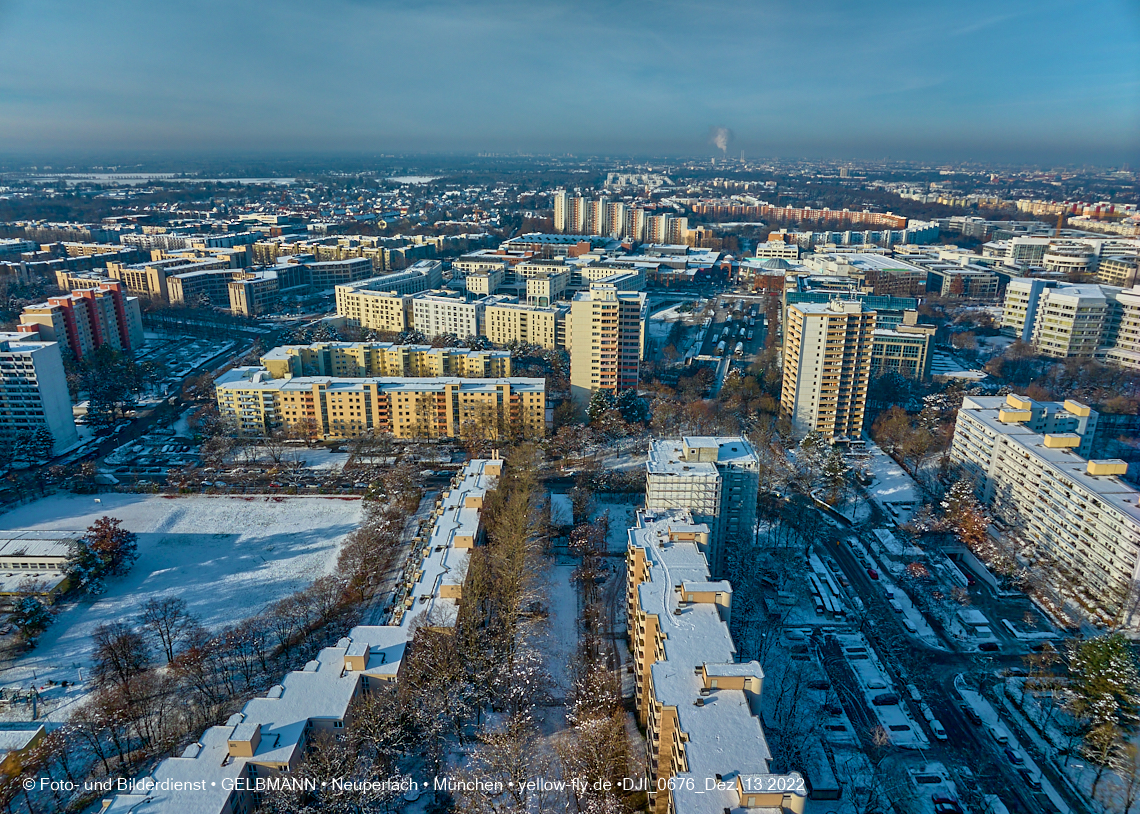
(600, 401)
(31, 618)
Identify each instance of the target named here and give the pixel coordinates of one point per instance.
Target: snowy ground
(943, 364)
(1030, 711)
(621, 518)
(891, 488)
(559, 642)
(228, 557)
(318, 458)
(561, 509)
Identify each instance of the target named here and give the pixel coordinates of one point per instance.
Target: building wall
(827, 365)
(33, 390)
(607, 340)
(1088, 526)
(408, 408)
(506, 323)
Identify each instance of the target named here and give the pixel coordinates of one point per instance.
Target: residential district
(546, 484)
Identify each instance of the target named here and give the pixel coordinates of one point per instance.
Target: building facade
(33, 390)
(365, 359)
(429, 407)
(716, 478)
(699, 704)
(904, 348)
(87, 319)
(827, 367)
(606, 338)
(1026, 459)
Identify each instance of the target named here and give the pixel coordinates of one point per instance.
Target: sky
(989, 80)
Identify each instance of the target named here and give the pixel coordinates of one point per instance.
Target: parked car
(998, 734)
(938, 730)
(872, 573)
(909, 625)
(895, 606)
(973, 717)
(989, 647)
(818, 684)
(1014, 756)
(886, 699)
(1031, 778)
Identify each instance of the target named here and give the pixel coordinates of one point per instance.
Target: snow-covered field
(892, 488)
(622, 514)
(228, 557)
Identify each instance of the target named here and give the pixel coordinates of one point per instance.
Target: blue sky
(1048, 80)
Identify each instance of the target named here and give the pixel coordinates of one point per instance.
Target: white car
(938, 730)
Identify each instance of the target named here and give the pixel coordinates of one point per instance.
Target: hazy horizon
(1047, 83)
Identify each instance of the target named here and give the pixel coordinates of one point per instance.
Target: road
(934, 669)
(377, 612)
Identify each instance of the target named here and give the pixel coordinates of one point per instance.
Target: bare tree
(121, 655)
(168, 621)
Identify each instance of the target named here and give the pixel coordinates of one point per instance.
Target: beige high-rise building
(827, 367)
(607, 341)
(698, 701)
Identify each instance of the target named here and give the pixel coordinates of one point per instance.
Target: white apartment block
(433, 315)
(1082, 320)
(716, 478)
(1070, 320)
(607, 340)
(33, 390)
(1025, 458)
(1125, 347)
(827, 367)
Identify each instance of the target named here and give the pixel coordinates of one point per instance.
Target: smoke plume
(721, 137)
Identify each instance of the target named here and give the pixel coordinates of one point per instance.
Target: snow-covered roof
(273, 727)
(723, 735)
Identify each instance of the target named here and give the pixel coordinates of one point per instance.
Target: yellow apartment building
(430, 407)
(364, 359)
(700, 707)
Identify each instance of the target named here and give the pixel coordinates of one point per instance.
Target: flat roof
(1114, 492)
(724, 737)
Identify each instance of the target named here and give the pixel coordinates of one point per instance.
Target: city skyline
(1027, 82)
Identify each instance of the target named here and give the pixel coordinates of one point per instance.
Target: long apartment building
(87, 319)
(606, 340)
(33, 390)
(361, 359)
(716, 478)
(827, 367)
(576, 215)
(380, 303)
(700, 706)
(333, 407)
(1029, 461)
(220, 773)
